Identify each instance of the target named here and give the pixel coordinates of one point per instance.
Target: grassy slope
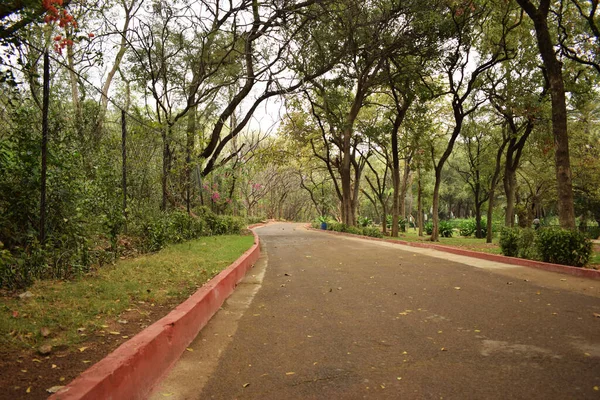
(90, 302)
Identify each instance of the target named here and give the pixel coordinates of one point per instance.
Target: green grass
(91, 301)
(470, 243)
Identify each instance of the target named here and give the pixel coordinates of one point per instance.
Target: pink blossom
(215, 196)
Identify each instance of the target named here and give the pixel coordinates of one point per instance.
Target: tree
(474, 30)
(553, 69)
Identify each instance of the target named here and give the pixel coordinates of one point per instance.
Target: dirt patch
(26, 374)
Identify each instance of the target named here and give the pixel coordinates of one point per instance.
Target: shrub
(445, 229)
(509, 241)
(561, 246)
(467, 227)
(428, 228)
(527, 244)
(372, 231)
(364, 222)
(401, 223)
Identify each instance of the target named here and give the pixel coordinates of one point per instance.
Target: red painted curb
(563, 269)
(137, 365)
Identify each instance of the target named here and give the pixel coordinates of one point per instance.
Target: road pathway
(331, 317)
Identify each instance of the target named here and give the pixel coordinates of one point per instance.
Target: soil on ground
(27, 374)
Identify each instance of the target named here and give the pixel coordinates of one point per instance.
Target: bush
(401, 223)
(428, 228)
(527, 244)
(445, 229)
(509, 241)
(467, 227)
(561, 246)
(372, 232)
(364, 222)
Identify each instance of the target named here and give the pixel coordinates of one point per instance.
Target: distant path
(341, 318)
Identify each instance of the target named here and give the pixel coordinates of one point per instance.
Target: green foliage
(428, 227)
(446, 229)
(468, 227)
(364, 221)
(323, 218)
(372, 231)
(527, 247)
(562, 246)
(401, 223)
(509, 241)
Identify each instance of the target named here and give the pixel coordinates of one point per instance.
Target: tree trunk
(510, 183)
(539, 16)
(435, 236)
(420, 202)
(124, 167)
(189, 145)
(166, 133)
(45, 106)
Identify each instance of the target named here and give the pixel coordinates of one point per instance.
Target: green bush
(372, 231)
(562, 246)
(363, 222)
(526, 244)
(428, 228)
(446, 229)
(467, 227)
(401, 223)
(509, 241)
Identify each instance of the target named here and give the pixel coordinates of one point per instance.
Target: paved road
(342, 318)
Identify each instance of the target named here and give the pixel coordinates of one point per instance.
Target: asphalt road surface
(330, 317)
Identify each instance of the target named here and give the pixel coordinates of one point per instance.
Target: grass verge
(62, 313)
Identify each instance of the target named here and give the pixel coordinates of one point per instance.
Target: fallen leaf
(79, 330)
(457, 287)
(444, 349)
(45, 331)
(15, 314)
(36, 360)
(563, 279)
(86, 361)
(399, 378)
(53, 366)
(23, 370)
(167, 394)
(189, 349)
(290, 373)
(114, 333)
(82, 349)
(596, 388)
(245, 385)
(596, 315)
(125, 337)
(28, 390)
(123, 321)
(439, 331)
(61, 379)
(104, 326)
(54, 389)
(477, 330)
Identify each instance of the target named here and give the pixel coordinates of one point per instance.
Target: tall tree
(554, 71)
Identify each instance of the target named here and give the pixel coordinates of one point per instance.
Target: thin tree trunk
(165, 166)
(189, 145)
(420, 202)
(124, 166)
(45, 107)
